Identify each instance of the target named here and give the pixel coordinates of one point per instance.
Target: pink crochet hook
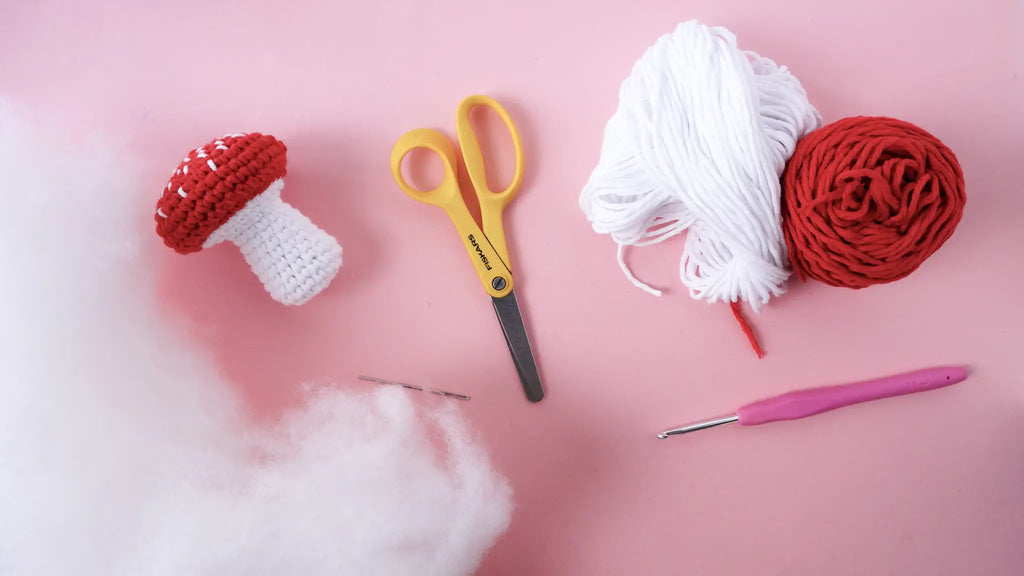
(802, 403)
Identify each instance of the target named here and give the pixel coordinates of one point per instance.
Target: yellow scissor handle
(490, 268)
(447, 192)
(492, 203)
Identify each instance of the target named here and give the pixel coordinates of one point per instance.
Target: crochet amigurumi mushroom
(230, 189)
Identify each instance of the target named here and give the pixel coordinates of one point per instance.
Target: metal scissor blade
(507, 309)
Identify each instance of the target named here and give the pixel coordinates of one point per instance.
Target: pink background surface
(927, 484)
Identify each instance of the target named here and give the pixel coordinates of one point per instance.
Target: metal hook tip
(699, 426)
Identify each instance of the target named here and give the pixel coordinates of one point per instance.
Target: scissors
(484, 244)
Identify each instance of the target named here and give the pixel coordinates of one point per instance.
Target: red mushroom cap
(213, 183)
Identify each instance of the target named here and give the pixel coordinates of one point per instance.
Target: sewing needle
(413, 387)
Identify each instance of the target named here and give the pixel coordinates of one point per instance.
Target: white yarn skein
(701, 136)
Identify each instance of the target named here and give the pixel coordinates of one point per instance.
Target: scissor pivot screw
(498, 283)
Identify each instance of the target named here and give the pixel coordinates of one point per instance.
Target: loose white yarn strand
(632, 277)
(701, 136)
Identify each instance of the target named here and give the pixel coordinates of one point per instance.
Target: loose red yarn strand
(745, 326)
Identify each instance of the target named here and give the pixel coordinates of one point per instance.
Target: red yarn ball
(866, 200)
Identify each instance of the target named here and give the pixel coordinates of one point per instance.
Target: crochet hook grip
(802, 403)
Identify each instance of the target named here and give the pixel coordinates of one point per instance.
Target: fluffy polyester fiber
(124, 451)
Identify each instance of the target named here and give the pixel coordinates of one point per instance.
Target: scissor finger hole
(495, 145)
(423, 169)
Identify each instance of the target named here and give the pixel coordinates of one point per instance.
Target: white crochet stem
(293, 257)
(702, 133)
